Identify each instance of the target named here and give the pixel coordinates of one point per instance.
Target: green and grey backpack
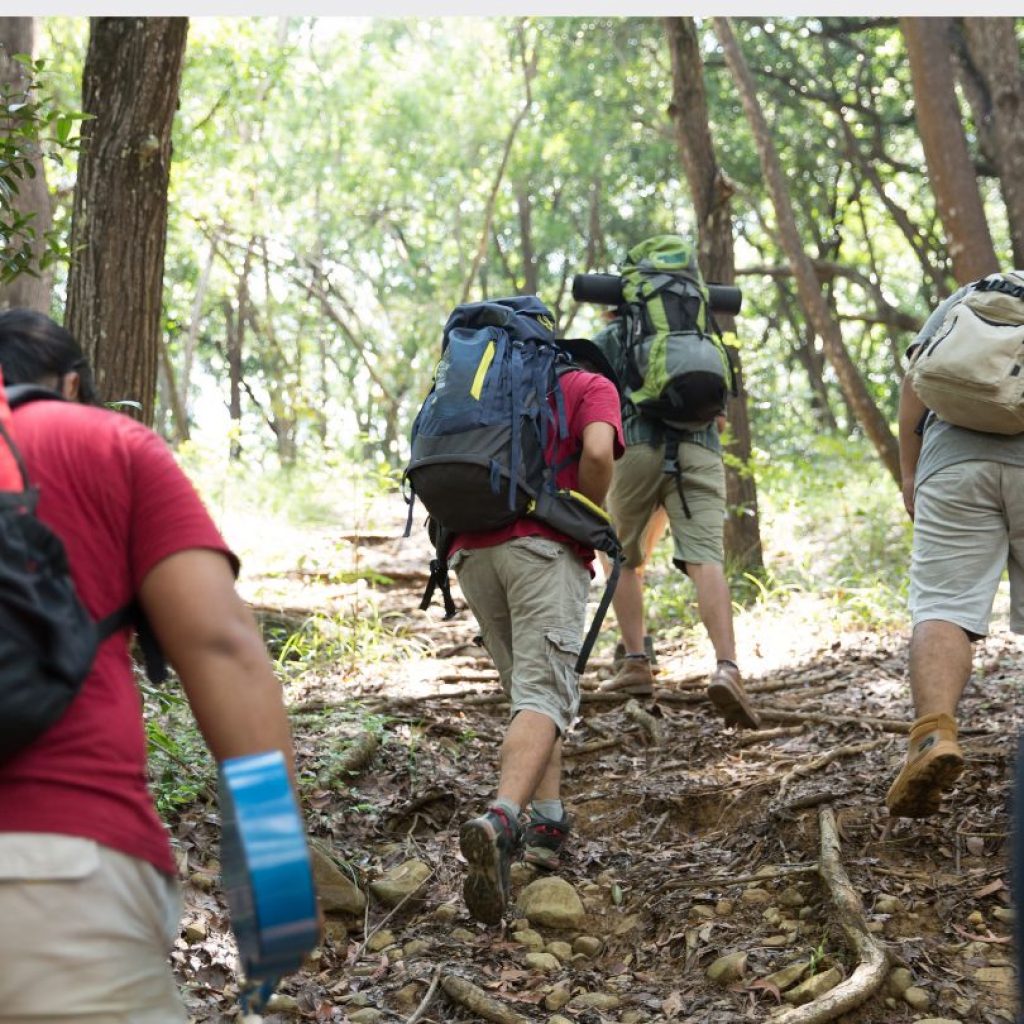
(679, 370)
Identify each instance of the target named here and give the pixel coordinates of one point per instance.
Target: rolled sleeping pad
(268, 876)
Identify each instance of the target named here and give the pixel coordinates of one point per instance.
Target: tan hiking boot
(726, 692)
(634, 677)
(934, 762)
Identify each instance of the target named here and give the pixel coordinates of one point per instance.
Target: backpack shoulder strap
(132, 614)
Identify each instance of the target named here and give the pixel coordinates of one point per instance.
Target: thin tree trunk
(524, 205)
(30, 289)
(945, 148)
(192, 337)
(119, 222)
(808, 290)
(712, 194)
(995, 53)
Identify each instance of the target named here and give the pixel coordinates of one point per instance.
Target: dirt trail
(691, 842)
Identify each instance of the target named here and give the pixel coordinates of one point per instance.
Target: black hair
(33, 347)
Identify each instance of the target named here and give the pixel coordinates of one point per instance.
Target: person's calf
(933, 764)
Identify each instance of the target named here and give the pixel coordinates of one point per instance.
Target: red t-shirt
(588, 398)
(111, 490)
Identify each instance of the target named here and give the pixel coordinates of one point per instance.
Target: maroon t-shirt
(588, 398)
(111, 490)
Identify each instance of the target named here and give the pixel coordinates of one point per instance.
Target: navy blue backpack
(479, 441)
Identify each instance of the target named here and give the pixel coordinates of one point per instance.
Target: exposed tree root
(802, 770)
(749, 739)
(466, 994)
(885, 724)
(420, 1011)
(355, 759)
(647, 722)
(870, 972)
(589, 748)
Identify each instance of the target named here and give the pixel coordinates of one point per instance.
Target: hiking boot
(934, 762)
(543, 841)
(488, 843)
(619, 657)
(634, 677)
(725, 691)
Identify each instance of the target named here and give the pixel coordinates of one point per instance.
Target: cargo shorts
(529, 596)
(84, 934)
(968, 526)
(640, 485)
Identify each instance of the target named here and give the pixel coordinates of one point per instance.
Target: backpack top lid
(671, 254)
(523, 316)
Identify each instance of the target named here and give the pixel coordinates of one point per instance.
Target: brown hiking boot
(634, 677)
(725, 691)
(934, 762)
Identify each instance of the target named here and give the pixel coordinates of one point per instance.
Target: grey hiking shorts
(529, 596)
(639, 486)
(968, 526)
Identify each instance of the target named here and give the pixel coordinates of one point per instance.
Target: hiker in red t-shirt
(88, 898)
(527, 585)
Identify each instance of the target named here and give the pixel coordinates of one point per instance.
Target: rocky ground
(713, 876)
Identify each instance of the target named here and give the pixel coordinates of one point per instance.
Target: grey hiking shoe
(726, 692)
(634, 677)
(489, 843)
(544, 840)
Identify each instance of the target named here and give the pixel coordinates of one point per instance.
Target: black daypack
(479, 441)
(48, 641)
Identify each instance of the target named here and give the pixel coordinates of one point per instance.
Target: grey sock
(508, 806)
(550, 809)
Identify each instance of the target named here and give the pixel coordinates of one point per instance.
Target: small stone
(592, 889)
(702, 911)
(463, 934)
(281, 1003)
(723, 908)
(557, 997)
(551, 902)
(380, 940)
(900, 979)
(367, 1015)
(791, 897)
(446, 912)
(364, 970)
(1004, 914)
(977, 918)
(876, 927)
(203, 880)
(805, 913)
(755, 897)
(529, 938)
(356, 999)
(727, 969)
(542, 962)
(195, 931)
(814, 986)
(336, 931)
(917, 998)
(626, 924)
(1000, 978)
(521, 873)
(596, 1001)
(633, 1017)
(408, 997)
(888, 905)
(938, 1020)
(401, 883)
(559, 1019)
(337, 892)
(789, 975)
(417, 947)
(772, 915)
(588, 945)
(562, 950)
(774, 941)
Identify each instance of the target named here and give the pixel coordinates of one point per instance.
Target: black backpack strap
(132, 614)
(438, 578)
(671, 466)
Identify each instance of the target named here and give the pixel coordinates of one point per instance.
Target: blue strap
(516, 451)
(495, 476)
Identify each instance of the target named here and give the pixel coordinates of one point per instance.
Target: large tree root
(647, 722)
(353, 761)
(885, 724)
(466, 994)
(872, 958)
(810, 767)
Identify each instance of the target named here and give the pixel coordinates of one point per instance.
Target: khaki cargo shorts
(84, 934)
(529, 596)
(639, 486)
(968, 526)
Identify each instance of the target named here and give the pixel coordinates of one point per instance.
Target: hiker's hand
(908, 496)
(721, 422)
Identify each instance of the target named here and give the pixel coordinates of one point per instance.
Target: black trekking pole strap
(439, 581)
(602, 610)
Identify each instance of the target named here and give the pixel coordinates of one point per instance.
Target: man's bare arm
(597, 461)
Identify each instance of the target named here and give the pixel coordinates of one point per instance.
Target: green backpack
(678, 370)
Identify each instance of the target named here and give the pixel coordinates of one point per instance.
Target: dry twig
(466, 994)
(850, 750)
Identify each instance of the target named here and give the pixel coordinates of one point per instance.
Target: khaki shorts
(968, 526)
(84, 934)
(639, 486)
(529, 596)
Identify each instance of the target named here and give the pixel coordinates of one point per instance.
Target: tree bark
(945, 148)
(30, 290)
(119, 219)
(812, 301)
(711, 192)
(528, 255)
(996, 56)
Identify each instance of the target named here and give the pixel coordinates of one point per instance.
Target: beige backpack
(971, 372)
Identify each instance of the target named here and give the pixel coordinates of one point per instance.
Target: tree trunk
(30, 290)
(711, 193)
(524, 204)
(119, 220)
(995, 54)
(945, 148)
(808, 290)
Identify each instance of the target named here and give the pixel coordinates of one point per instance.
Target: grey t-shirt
(946, 445)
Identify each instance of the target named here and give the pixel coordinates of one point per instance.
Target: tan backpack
(971, 372)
